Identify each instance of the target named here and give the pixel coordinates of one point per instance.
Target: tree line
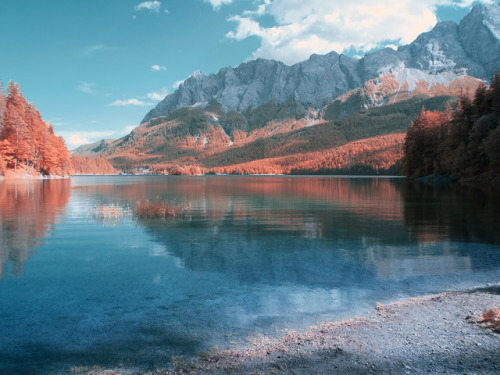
(91, 166)
(28, 144)
(463, 144)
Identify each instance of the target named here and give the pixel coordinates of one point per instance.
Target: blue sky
(94, 68)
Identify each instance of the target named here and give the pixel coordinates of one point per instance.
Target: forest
(368, 141)
(28, 145)
(463, 144)
(84, 165)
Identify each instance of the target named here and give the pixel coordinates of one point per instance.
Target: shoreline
(431, 334)
(438, 333)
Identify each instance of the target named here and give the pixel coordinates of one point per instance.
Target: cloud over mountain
(316, 26)
(217, 3)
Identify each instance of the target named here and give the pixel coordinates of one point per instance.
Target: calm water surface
(83, 282)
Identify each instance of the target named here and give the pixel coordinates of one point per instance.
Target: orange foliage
(157, 209)
(492, 317)
(377, 154)
(28, 144)
(91, 166)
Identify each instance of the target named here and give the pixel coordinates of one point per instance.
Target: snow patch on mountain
(413, 76)
(199, 104)
(227, 135)
(492, 20)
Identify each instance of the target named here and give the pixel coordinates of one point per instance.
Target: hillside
(463, 145)
(195, 140)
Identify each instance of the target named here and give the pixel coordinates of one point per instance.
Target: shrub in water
(157, 209)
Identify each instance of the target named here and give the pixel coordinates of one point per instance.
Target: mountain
(195, 140)
(399, 86)
(93, 148)
(472, 48)
(329, 113)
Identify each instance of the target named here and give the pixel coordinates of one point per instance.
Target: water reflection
(392, 225)
(28, 210)
(253, 255)
(376, 210)
(311, 230)
(455, 213)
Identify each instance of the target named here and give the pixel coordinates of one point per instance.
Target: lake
(84, 282)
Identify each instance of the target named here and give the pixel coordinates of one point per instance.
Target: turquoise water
(83, 282)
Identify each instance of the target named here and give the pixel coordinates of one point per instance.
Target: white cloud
(177, 84)
(124, 103)
(317, 26)
(158, 95)
(74, 139)
(127, 129)
(463, 3)
(157, 68)
(77, 141)
(153, 6)
(217, 3)
(86, 87)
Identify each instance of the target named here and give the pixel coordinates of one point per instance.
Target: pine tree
(14, 129)
(2, 106)
(422, 142)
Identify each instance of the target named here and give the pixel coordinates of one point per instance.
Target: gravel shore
(438, 334)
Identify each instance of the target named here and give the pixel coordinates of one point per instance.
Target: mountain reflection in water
(245, 225)
(375, 212)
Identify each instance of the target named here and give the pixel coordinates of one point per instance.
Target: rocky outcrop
(479, 34)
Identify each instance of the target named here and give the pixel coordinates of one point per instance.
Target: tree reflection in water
(28, 211)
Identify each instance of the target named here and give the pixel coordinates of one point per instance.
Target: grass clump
(156, 209)
(110, 214)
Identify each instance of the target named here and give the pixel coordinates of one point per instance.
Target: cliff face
(472, 48)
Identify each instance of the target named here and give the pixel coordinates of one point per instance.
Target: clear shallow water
(252, 256)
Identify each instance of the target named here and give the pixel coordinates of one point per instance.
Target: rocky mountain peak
(472, 48)
(479, 33)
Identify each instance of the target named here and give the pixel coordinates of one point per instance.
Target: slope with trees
(200, 140)
(463, 144)
(84, 165)
(27, 144)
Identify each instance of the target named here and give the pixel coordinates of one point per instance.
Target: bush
(157, 209)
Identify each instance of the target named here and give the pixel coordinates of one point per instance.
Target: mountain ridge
(471, 47)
